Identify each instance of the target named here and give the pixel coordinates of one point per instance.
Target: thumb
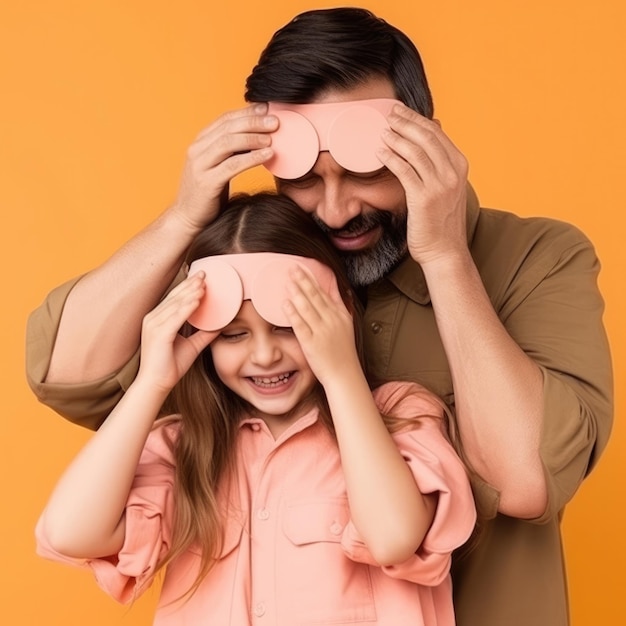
(201, 339)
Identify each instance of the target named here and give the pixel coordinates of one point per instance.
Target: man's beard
(367, 266)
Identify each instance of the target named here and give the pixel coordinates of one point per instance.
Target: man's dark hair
(338, 49)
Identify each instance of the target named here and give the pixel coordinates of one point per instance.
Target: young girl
(275, 492)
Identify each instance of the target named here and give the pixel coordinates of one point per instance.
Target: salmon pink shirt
(291, 554)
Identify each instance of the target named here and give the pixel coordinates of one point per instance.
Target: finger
(245, 132)
(201, 339)
(205, 181)
(407, 121)
(307, 296)
(404, 155)
(451, 149)
(191, 281)
(238, 163)
(301, 328)
(253, 114)
(335, 294)
(400, 168)
(180, 302)
(204, 156)
(430, 142)
(191, 287)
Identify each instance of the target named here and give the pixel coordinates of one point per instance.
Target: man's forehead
(374, 87)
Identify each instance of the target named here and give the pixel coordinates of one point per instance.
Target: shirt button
(259, 609)
(263, 514)
(256, 427)
(336, 528)
(376, 327)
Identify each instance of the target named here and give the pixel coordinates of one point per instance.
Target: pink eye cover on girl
(350, 131)
(261, 277)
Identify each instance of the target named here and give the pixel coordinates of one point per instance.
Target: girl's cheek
(227, 356)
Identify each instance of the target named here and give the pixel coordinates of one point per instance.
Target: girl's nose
(266, 350)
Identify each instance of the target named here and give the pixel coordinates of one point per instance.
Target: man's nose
(337, 204)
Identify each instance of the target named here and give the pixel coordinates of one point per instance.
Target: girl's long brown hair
(210, 412)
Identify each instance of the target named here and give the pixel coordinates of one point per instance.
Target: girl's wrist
(144, 385)
(346, 377)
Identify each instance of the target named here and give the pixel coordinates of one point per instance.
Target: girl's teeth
(274, 380)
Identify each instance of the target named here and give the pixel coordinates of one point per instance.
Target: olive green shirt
(541, 276)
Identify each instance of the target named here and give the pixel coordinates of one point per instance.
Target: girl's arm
(387, 508)
(84, 517)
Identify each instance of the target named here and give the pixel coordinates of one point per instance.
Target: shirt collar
(303, 422)
(408, 277)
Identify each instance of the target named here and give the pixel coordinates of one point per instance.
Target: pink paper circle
(222, 298)
(269, 293)
(354, 137)
(295, 146)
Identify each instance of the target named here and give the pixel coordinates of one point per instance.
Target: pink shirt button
(263, 514)
(259, 609)
(336, 528)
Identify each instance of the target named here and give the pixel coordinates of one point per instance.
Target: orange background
(99, 101)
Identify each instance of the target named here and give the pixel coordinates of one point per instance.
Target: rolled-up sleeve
(148, 524)
(555, 315)
(87, 403)
(437, 470)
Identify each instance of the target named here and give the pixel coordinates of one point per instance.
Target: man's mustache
(358, 224)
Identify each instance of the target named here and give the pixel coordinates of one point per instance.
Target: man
(500, 316)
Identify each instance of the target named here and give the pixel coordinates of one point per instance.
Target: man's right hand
(235, 142)
(100, 326)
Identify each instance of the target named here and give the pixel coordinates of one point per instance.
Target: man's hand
(235, 142)
(433, 173)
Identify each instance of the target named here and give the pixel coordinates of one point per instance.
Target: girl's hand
(323, 326)
(235, 142)
(165, 354)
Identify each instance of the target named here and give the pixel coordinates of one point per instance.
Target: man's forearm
(101, 322)
(498, 388)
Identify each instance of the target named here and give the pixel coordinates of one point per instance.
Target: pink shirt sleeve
(437, 469)
(148, 521)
